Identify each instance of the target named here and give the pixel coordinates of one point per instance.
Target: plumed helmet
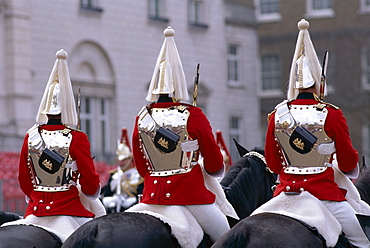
(224, 151)
(168, 76)
(305, 70)
(123, 152)
(58, 95)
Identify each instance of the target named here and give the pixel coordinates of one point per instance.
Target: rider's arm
(336, 128)
(138, 154)
(199, 128)
(24, 176)
(272, 150)
(80, 152)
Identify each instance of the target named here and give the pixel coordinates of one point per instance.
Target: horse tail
(84, 238)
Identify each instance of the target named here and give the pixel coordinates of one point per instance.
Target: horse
(278, 231)
(25, 235)
(141, 230)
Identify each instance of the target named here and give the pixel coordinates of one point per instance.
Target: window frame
(365, 65)
(366, 140)
(363, 7)
(96, 125)
(235, 133)
(90, 5)
(319, 13)
(235, 80)
(267, 17)
(276, 91)
(196, 13)
(157, 10)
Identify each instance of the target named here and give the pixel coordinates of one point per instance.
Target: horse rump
(122, 229)
(270, 230)
(15, 236)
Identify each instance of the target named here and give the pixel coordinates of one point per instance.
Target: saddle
(183, 224)
(307, 208)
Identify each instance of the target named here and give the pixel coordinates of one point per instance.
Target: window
(319, 8)
(95, 123)
(233, 65)
(91, 5)
(268, 10)
(157, 10)
(269, 6)
(364, 7)
(366, 141)
(235, 133)
(94, 78)
(366, 69)
(271, 73)
(196, 13)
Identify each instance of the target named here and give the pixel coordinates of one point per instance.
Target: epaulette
(330, 105)
(325, 103)
(181, 108)
(71, 128)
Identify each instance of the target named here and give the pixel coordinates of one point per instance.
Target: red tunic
(188, 188)
(66, 202)
(320, 185)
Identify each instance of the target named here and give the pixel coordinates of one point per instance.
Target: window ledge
(265, 94)
(274, 17)
(159, 19)
(327, 13)
(365, 86)
(363, 11)
(91, 8)
(235, 84)
(198, 25)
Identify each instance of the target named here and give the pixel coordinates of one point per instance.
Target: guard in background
(303, 135)
(167, 140)
(125, 184)
(56, 170)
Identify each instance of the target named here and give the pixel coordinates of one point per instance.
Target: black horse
(279, 231)
(245, 188)
(25, 235)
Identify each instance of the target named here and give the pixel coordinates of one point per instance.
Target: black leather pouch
(302, 140)
(166, 140)
(50, 161)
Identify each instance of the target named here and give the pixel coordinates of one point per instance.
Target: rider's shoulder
(68, 128)
(330, 105)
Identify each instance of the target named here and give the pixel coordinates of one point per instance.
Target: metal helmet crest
(305, 70)
(58, 94)
(168, 76)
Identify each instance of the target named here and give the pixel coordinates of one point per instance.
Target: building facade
(112, 47)
(341, 27)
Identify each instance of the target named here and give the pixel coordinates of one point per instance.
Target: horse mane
(259, 149)
(8, 216)
(363, 184)
(242, 184)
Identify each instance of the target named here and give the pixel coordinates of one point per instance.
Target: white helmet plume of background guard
(58, 95)
(168, 76)
(305, 70)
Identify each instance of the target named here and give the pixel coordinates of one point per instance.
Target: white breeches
(211, 219)
(345, 215)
